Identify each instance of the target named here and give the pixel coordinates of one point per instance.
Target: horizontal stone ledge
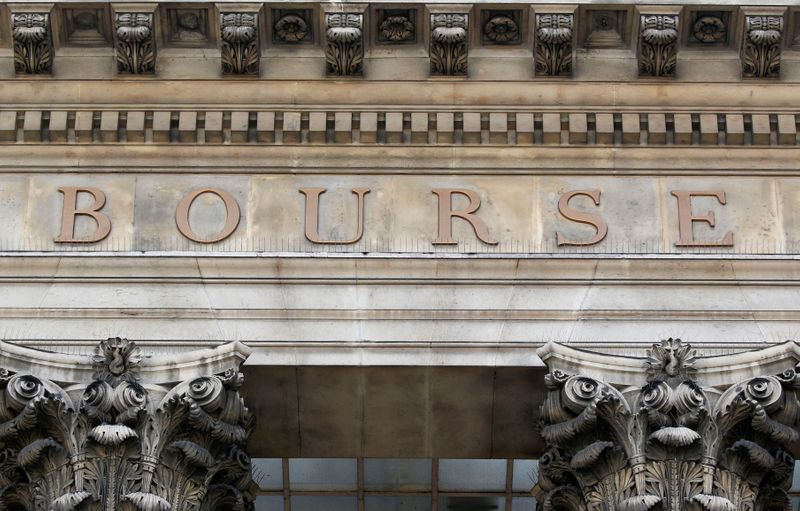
(438, 95)
(394, 160)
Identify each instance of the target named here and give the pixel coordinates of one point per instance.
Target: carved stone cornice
(449, 43)
(135, 38)
(124, 436)
(761, 45)
(344, 43)
(671, 438)
(31, 31)
(554, 43)
(658, 44)
(239, 41)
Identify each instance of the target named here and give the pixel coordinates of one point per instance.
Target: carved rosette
(658, 45)
(449, 44)
(135, 43)
(33, 47)
(553, 51)
(669, 444)
(239, 46)
(121, 447)
(761, 50)
(344, 48)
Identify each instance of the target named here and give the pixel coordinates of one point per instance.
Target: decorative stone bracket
(128, 437)
(676, 439)
(554, 44)
(761, 47)
(658, 45)
(33, 42)
(239, 43)
(134, 41)
(449, 44)
(344, 43)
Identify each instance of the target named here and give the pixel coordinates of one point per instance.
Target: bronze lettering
(446, 215)
(686, 219)
(70, 211)
(585, 218)
(232, 215)
(312, 215)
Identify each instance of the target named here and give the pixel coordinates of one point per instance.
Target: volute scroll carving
(671, 443)
(121, 444)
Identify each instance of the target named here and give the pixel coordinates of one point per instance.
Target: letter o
(232, 215)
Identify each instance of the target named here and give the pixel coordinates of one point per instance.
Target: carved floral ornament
(553, 51)
(658, 48)
(344, 50)
(120, 444)
(448, 44)
(32, 43)
(239, 45)
(671, 442)
(135, 43)
(761, 51)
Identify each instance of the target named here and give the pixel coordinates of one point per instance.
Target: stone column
(669, 432)
(121, 431)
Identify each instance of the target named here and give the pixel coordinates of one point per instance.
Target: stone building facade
(393, 256)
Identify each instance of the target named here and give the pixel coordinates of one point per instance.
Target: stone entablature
(349, 34)
(670, 431)
(118, 431)
(369, 127)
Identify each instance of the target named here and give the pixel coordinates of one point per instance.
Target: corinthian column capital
(672, 439)
(127, 437)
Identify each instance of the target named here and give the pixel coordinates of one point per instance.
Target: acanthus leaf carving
(344, 47)
(121, 447)
(658, 45)
(33, 46)
(761, 49)
(448, 49)
(553, 49)
(670, 444)
(135, 43)
(239, 43)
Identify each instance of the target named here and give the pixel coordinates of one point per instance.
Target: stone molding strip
(397, 128)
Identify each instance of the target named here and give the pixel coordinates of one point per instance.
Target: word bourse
(446, 214)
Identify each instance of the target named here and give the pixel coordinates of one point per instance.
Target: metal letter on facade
(135, 43)
(658, 45)
(232, 215)
(70, 210)
(446, 215)
(668, 432)
(686, 219)
(578, 216)
(119, 441)
(761, 48)
(312, 216)
(33, 42)
(344, 48)
(553, 51)
(239, 43)
(449, 44)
